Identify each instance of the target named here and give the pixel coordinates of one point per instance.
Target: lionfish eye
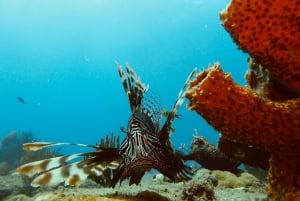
(128, 134)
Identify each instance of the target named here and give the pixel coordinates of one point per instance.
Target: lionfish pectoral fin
(171, 115)
(72, 174)
(186, 174)
(176, 169)
(36, 167)
(52, 171)
(136, 177)
(117, 176)
(35, 146)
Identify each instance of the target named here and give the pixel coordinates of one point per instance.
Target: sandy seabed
(205, 186)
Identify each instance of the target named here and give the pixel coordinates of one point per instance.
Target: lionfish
(147, 145)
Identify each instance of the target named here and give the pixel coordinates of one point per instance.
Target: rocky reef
(209, 157)
(265, 114)
(12, 155)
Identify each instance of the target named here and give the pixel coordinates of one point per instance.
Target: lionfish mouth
(146, 145)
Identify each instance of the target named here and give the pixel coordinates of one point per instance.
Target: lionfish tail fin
(167, 127)
(133, 86)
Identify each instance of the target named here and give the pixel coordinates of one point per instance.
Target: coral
(242, 115)
(209, 156)
(269, 31)
(230, 180)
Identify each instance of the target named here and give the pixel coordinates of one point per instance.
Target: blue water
(59, 56)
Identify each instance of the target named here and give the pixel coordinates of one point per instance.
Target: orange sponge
(269, 30)
(242, 115)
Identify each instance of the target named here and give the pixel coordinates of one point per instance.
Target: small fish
(21, 100)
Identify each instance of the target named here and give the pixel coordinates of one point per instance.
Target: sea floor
(205, 186)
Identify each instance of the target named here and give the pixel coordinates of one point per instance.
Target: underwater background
(59, 57)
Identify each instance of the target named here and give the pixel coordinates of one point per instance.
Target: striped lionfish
(146, 145)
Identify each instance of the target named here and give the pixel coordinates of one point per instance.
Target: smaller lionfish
(146, 145)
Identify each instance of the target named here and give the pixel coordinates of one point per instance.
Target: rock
(201, 189)
(259, 173)
(209, 157)
(4, 168)
(20, 197)
(13, 184)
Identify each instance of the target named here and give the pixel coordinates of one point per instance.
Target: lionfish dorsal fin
(133, 86)
(167, 127)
